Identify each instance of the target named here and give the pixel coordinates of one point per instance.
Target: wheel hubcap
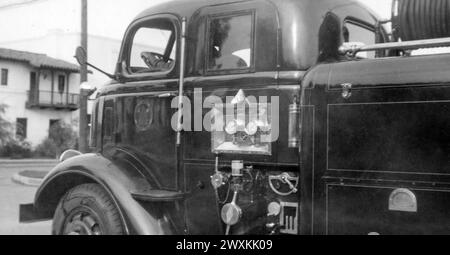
(82, 223)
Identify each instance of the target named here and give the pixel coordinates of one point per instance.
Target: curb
(28, 181)
(28, 163)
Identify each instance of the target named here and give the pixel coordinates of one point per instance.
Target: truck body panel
(391, 133)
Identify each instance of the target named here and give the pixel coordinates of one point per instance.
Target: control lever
(285, 178)
(231, 213)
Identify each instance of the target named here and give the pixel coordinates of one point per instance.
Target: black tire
(87, 210)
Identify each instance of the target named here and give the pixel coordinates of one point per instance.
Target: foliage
(61, 137)
(47, 149)
(16, 149)
(5, 127)
(10, 147)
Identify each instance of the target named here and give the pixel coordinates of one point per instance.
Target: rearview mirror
(81, 55)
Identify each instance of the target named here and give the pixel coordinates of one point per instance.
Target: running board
(158, 196)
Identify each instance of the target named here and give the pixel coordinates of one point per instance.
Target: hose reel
(420, 19)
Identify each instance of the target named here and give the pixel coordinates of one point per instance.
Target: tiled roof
(38, 60)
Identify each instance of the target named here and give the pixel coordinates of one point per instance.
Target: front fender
(119, 182)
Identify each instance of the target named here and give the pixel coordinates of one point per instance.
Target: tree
(5, 126)
(61, 137)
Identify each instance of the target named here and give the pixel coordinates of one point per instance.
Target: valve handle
(291, 186)
(285, 178)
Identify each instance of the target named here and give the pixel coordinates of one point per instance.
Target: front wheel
(87, 210)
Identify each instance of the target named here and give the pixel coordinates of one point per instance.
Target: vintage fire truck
(353, 137)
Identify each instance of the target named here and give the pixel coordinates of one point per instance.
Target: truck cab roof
(299, 39)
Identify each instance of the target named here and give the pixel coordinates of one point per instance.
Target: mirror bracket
(81, 57)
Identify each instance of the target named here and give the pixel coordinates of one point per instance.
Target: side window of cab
(151, 49)
(230, 43)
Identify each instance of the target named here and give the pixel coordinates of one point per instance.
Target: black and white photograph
(229, 118)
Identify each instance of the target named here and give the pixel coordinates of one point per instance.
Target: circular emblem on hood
(143, 115)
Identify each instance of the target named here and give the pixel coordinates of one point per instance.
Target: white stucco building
(103, 51)
(38, 91)
(53, 27)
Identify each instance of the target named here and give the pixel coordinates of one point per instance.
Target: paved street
(11, 195)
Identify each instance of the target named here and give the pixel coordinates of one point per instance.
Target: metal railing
(407, 45)
(53, 99)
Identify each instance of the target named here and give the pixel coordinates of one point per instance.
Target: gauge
(273, 209)
(231, 127)
(252, 128)
(218, 180)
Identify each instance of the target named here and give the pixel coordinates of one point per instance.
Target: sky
(382, 7)
(108, 18)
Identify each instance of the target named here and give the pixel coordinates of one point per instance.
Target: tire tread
(93, 192)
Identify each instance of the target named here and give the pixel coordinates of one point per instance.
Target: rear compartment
(364, 210)
(376, 146)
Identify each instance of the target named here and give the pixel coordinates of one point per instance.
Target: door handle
(346, 90)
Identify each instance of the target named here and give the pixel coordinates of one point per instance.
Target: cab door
(141, 106)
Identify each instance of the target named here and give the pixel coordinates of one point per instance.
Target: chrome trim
(294, 125)
(402, 207)
(346, 90)
(69, 154)
(289, 223)
(408, 45)
(181, 88)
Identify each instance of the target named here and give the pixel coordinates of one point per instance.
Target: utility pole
(83, 129)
